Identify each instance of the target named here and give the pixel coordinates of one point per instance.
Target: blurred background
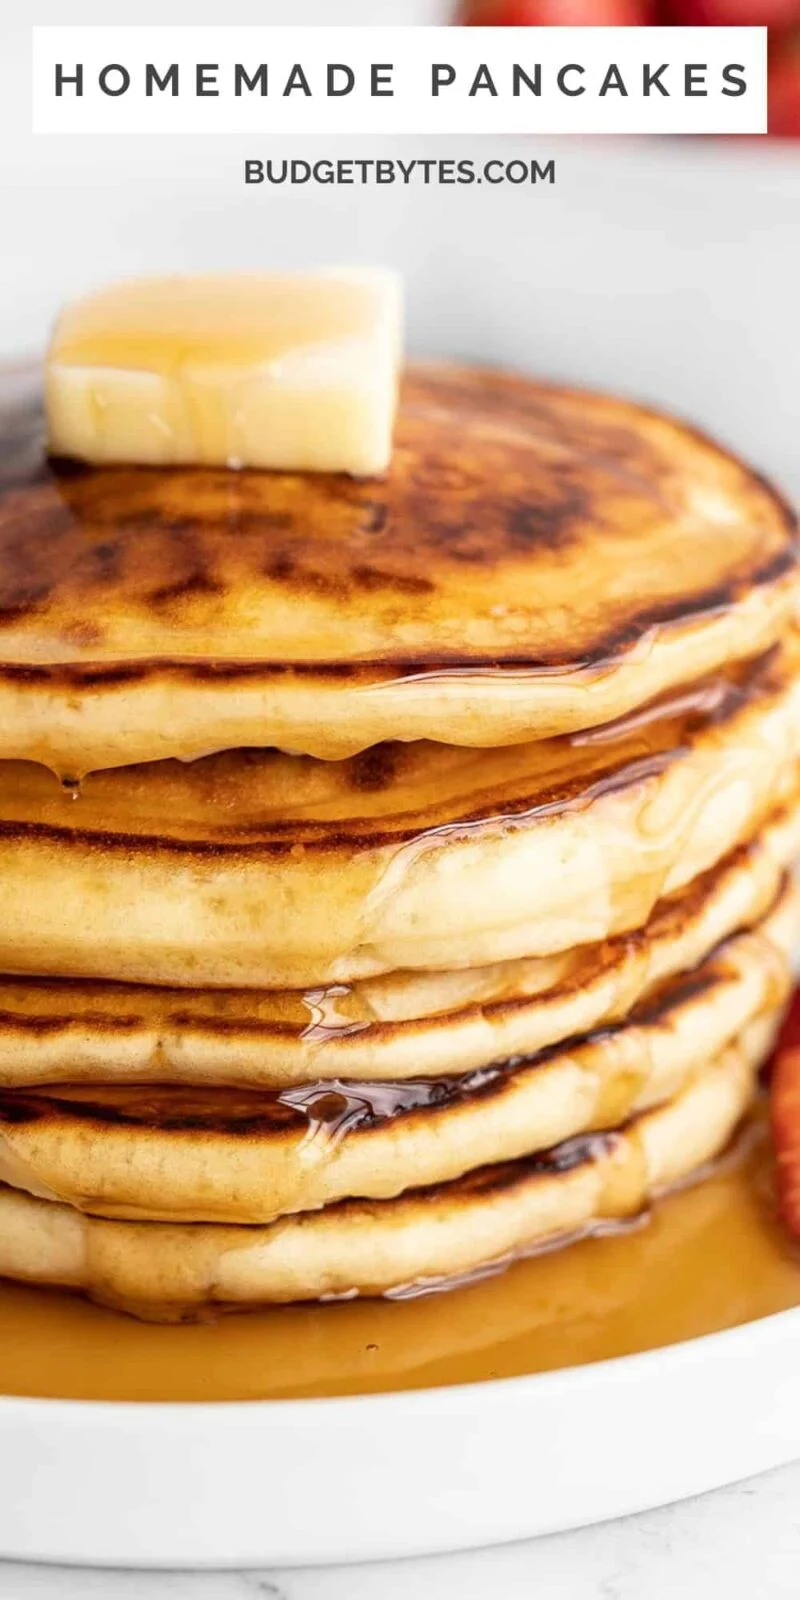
(666, 268)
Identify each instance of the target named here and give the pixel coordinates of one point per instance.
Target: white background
(669, 270)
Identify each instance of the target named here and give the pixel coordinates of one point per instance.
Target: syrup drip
(326, 1021)
(603, 1228)
(710, 700)
(335, 1108)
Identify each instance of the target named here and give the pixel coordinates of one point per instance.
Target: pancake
(167, 1271)
(405, 1025)
(255, 869)
(537, 560)
(216, 1155)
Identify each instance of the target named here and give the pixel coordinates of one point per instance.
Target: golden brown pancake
(232, 1155)
(403, 1025)
(538, 560)
(167, 1271)
(255, 869)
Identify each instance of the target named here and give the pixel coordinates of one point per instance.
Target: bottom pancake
(168, 1153)
(418, 1241)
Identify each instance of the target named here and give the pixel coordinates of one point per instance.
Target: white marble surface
(742, 1542)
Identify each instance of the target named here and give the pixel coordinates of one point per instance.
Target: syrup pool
(709, 1257)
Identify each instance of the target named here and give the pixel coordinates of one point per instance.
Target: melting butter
(292, 371)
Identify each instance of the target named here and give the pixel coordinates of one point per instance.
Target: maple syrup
(709, 1257)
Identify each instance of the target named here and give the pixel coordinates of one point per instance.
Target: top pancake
(537, 560)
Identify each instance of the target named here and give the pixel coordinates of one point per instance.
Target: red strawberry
(785, 1116)
(784, 87)
(553, 13)
(496, 13)
(789, 1035)
(732, 13)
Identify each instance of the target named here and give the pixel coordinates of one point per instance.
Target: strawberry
(553, 13)
(789, 1035)
(785, 1116)
(784, 86)
(496, 13)
(731, 13)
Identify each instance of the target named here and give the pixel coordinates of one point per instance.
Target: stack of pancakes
(393, 874)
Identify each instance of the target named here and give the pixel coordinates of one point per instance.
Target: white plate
(313, 1481)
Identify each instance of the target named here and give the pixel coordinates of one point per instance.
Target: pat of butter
(291, 371)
